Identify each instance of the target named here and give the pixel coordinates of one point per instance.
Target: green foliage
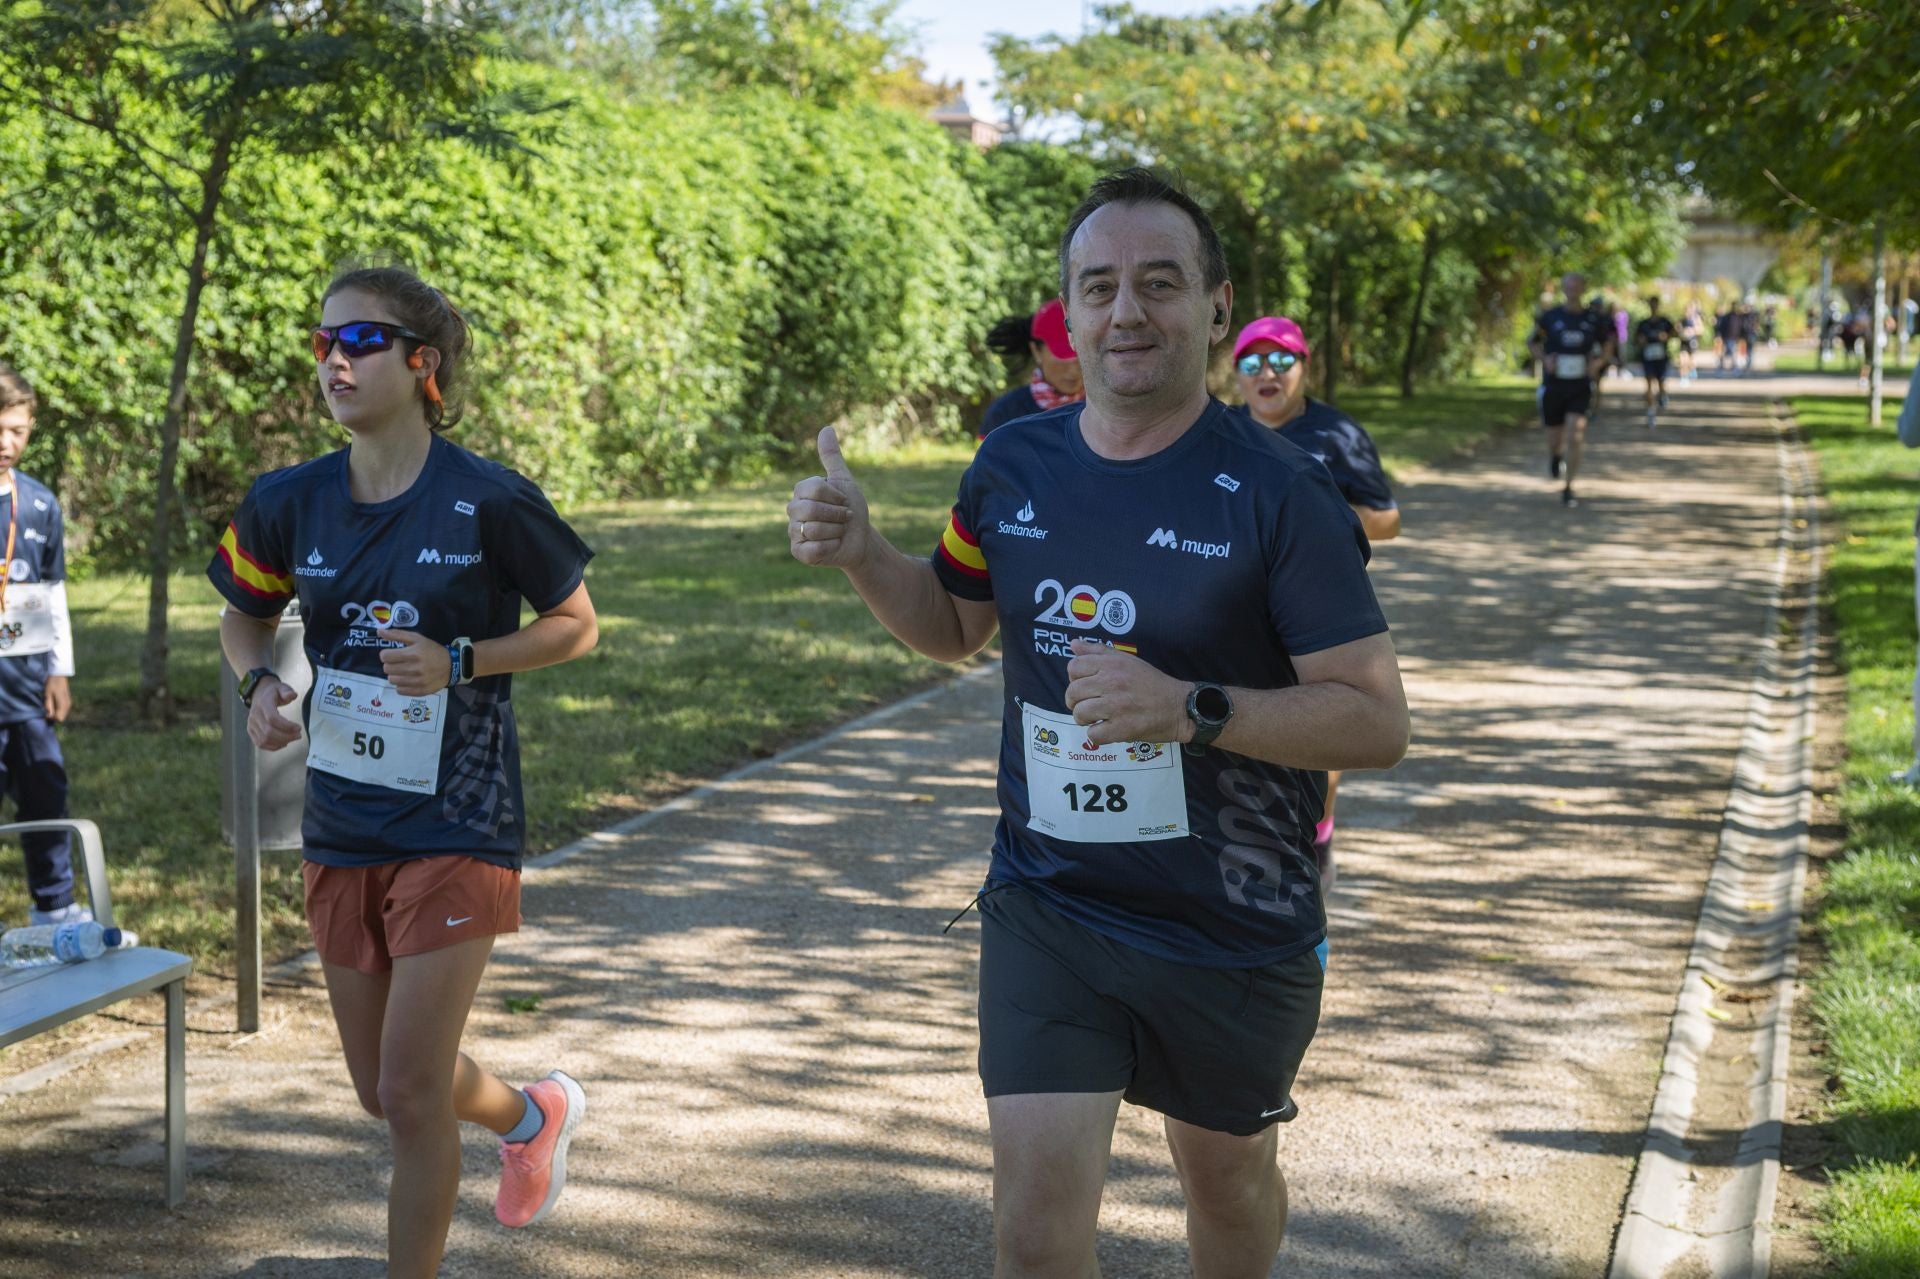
(1784, 108)
(1867, 995)
(1342, 155)
(676, 292)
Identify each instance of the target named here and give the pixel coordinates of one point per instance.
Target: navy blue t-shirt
(453, 556)
(1219, 558)
(1017, 403)
(1655, 328)
(39, 556)
(1343, 446)
(1563, 332)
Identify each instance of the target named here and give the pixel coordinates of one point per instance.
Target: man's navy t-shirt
(1653, 329)
(1564, 332)
(1220, 558)
(39, 556)
(452, 556)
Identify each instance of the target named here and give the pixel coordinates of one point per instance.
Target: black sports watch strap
(1209, 707)
(250, 683)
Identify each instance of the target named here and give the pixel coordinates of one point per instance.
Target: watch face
(1213, 704)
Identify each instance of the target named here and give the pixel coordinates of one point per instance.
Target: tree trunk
(1330, 352)
(156, 699)
(1826, 300)
(1879, 335)
(1900, 312)
(1428, 252)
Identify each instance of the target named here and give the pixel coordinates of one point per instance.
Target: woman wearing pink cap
(1270, 362)
(1042, 338)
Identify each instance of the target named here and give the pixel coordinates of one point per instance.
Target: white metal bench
(37, 999)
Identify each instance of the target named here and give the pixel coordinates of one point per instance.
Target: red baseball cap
(1277, 329)
(1049, 325)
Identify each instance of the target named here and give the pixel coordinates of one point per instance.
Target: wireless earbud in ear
(414, 360)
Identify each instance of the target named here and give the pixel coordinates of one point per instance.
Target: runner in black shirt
(411, 559)
(1191, 641)
(1652, 345)
(1570, 343)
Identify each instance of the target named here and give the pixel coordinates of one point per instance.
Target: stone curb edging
(1762, 857)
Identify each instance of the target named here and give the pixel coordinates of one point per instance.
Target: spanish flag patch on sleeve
(251, 574)
(961, 549)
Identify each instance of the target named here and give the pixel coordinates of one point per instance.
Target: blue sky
(953, 33)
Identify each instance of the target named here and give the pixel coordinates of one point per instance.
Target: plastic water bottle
(47, 944)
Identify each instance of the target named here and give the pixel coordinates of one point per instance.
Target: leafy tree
(187, 95)
(820, 51)
(1788, 111)
(1352, 165)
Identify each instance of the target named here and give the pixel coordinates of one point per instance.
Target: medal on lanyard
(13, 526)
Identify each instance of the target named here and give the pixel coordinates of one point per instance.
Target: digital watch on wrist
(250, 683)
(1209, 707)
(460, 662)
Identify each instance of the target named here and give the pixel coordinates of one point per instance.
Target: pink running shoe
(533, 1173)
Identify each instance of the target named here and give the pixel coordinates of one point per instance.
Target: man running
(1191, 642)
(1570, 342)
(1652, 338)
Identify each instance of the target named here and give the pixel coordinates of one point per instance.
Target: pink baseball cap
(1049, 325)
(1277, 329)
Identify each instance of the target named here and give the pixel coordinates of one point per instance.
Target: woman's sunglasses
(359, 337)
(1249, 365)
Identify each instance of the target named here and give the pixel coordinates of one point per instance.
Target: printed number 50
(372, 746)
(1115, 798)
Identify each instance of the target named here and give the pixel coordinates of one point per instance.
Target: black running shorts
(1066, 1009)
(1562, 398)
(1656, 370)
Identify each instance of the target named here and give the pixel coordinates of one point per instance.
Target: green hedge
(670, 294)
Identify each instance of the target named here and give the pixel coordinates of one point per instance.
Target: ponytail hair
(424, 309)
(1012, 337)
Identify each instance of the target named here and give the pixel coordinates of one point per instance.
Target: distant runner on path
(1653, 343)
(1191, 642)
(1270, 361)
(1570, 342)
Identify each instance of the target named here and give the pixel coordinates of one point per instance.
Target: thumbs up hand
(827, 521)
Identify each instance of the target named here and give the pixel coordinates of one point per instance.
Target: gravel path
(777, 1040)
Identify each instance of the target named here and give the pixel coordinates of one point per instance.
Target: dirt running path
(778, 1041)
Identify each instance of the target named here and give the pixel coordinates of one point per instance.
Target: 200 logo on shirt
(1080, 608)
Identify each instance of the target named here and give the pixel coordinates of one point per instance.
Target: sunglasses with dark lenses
(1249, 365)
(359, 337)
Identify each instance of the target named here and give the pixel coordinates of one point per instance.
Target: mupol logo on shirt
(429, 555)
(1167, 539)
(315, 566)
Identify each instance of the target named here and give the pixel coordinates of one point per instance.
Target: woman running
(410, 558)
(1270, 364)
(1041, 338)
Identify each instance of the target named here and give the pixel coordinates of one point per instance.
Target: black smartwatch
(250, 683)
(461, 651)
(1209, 707)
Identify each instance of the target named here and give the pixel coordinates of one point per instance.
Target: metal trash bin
(262, 796)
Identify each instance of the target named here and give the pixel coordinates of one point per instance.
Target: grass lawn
(715, 648)
(1868, 997)
(1837, 366)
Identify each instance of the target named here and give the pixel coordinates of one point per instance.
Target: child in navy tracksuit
(36, 659)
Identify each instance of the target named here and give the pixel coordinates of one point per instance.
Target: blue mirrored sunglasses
(1279, 361)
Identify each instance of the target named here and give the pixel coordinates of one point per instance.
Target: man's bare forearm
(906, 596)
(1319, 726)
